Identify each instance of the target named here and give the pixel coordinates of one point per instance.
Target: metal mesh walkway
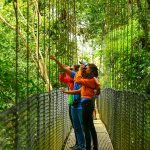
(104, 141)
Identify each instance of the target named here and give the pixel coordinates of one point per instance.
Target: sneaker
(74, 147)
(95, 148)
(80, 148)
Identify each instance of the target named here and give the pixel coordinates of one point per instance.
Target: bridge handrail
(126, 115)
(39, 122)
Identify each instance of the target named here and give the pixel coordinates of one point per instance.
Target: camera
(84, 63)
(75, 103)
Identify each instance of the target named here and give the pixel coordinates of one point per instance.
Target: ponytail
(94, 70)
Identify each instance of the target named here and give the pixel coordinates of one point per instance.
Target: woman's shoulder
(96, 80)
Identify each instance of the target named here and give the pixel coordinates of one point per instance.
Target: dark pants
(70, 115)
(88, 125)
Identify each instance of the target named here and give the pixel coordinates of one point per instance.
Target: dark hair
(94, 70)
(76, 67)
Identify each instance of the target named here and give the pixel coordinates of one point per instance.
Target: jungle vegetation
(118, 32)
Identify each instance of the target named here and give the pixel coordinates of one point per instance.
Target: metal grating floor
(103, 137)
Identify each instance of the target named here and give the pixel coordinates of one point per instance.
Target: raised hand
(82, 67)
(52, 57)
(62, 89)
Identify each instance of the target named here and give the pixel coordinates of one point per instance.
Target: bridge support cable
(123, 107)
(39, 118)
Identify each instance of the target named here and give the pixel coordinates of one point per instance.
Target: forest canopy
(118, 32)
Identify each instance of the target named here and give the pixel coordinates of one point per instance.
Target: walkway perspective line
(102, 134)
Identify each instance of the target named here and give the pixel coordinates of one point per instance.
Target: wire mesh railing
(40, 122)
(126, 116)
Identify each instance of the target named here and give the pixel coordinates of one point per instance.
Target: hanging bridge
(113, 34)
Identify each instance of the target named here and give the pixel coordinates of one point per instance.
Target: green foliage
(10, 78)
(127, 59)
(23, 71)
(117, 31)
(121, 31)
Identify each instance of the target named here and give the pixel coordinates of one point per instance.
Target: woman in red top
(65, 78)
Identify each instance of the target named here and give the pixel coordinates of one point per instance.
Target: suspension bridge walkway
(104, 141)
